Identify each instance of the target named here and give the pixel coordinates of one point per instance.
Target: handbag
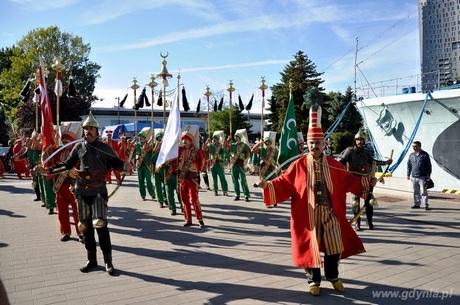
(429, 183)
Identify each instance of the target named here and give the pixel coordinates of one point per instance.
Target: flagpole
(152, 85)
(230, 89)
(262, 88)
(164, 75)
(37, 101)
(118, 110)
(58, 67)
(135, 86)
(208, 93)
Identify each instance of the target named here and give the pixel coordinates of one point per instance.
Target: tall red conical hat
(315, 131)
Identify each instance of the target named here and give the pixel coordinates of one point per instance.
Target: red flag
(47, 115)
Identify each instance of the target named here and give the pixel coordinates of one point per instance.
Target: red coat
(293, 184)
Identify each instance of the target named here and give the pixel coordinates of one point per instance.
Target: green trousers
(217, 171)
(238, 175)
(144, 176)
(41, 185)
(50, 196)
(171, 188)
(160, 185)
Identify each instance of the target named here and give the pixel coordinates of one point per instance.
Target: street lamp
(208, 93)
(152, 85)
(262, 88)
(164, 75)
(135, 86)
(230, 89)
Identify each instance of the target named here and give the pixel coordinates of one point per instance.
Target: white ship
(392, 120)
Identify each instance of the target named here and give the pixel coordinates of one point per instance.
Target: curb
(451, 191)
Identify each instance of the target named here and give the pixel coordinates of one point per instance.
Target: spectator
(418, 171)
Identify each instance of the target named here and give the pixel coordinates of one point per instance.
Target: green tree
(337, 102)
(5, 64)
(220, 120)
(302, 74)
(51, 43)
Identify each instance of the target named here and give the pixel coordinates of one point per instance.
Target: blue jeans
(418, 184)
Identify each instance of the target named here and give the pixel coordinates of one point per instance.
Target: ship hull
(392, 119)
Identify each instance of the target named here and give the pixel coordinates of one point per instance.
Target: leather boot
(91, 264)
(108, 262)
(369, 216)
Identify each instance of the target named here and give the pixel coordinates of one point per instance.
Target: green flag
(288, 143)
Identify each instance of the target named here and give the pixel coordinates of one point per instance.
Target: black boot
(108, 262)
(369, 216)
(91, 264)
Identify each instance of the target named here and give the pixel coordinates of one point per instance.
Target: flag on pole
(47, 115)
(58, 86)
(288, 141)
(249, 105)
(170, 146)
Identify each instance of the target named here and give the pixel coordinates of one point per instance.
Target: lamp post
(135, 86)
(164, 75)
(230, 89)
(262, 88)
(152, 85)
(118, 109)
(208, 93)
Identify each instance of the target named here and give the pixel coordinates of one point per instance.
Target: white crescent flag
(170, 146)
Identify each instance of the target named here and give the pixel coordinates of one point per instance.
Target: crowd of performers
(76, 177)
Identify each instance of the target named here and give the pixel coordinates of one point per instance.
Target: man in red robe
(317, 185)
(189, 164)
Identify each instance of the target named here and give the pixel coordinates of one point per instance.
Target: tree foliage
(302, 74)
(220, 120)
(50, 43)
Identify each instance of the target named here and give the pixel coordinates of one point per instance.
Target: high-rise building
(439, 42)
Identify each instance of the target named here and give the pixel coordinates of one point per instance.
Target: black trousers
(369, 208)
(103, 234)
(331, 270)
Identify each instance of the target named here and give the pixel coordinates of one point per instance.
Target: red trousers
(65, 198)
(21, 167)
(108, 178)
(189, 195)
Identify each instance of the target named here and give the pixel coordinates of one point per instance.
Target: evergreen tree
(220, 120)
(51, 43)
(302, 74)
(352, 119)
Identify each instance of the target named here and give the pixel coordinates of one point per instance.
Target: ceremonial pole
(208, 93)
(164, 75)
(230, 89)
(152, 85)
(37, 101)
(135, 86)
(58, 67)
(262, 88)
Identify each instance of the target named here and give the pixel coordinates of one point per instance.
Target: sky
(212, 42)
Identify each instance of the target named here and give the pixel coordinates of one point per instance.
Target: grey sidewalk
(242, 257)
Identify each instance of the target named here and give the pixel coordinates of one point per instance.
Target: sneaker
(65, 238)
(415, 207)
(314, 290)
(338, 285)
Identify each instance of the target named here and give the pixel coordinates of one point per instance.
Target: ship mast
(356, 59)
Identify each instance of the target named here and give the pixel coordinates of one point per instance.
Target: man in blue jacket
(418, 171)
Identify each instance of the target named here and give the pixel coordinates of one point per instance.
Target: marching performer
(159, 174)
(216, 154)
(115, 146)
(63, 186)
(143, 156)
(317, 185)
(95, 159)
(19, 158)
(33, 156)
(189, 164)
(239, 154)
(361, 162)
(268, 153)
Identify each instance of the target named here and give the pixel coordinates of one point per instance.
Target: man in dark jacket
(418, 171)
